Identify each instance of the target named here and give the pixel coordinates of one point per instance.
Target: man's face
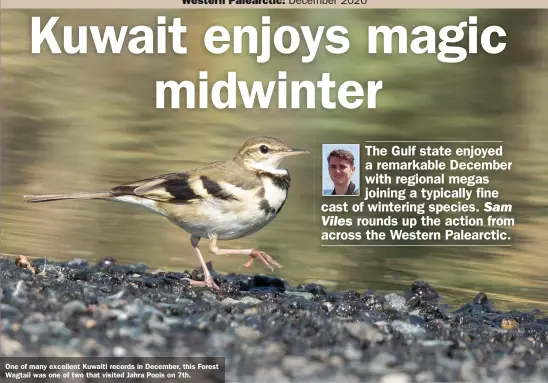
(340, 170)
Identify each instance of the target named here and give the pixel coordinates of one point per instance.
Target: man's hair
(342, 154)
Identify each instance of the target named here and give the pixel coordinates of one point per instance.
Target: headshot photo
(341, 170)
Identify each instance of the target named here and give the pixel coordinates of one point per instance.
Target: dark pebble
(263, 282)
(78, 263)
(424, 292)
(312, 288)
(138, 268)
(107, 261)
(73, 309)
(10, 313)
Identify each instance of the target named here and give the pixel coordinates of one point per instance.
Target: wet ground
(266, 329)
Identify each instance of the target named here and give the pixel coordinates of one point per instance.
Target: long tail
(58, 197)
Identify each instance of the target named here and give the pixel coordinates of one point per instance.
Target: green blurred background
(86, 123)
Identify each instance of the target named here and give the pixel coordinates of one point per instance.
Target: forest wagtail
(220, 201)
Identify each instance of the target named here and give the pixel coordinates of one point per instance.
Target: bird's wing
(210, 181)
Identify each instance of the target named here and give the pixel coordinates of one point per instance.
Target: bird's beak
(294, 152)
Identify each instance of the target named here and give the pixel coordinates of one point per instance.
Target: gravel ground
(266, 329)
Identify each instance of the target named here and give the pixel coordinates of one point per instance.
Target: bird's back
(224, 198)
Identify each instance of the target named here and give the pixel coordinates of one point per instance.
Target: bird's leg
(208, 279)
(252, 253)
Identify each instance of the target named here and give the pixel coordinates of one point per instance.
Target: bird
(222, 200)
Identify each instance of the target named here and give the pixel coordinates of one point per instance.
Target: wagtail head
(265, 153)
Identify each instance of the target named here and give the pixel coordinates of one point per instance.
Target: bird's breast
(274, 196)
(249, 209)
(230, 219)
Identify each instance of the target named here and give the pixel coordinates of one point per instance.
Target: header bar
(272, 4)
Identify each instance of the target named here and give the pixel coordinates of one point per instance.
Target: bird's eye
(264, 149)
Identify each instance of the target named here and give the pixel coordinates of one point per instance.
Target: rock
(509, 324)
(407, 329)
(229, 302)
(299, 368)
(59, 329)
(77, 262)
(59, 352)
(425, 377)
(35, 328)
(327, 306)
(9, 312)
(481, 299)
(313, 288)
(300, 294)
(9, 347)
(396, 378)
(265, 328)
(364, 332)
(119, 352)
(424, 291)
(116, 314)
(269, 374)
(382, 363)
(73, 309)
(437, 343)
(352, 353)
(468, 371)
(34, 318)
(247, 334)
(250, 300)
(138, 268)
(251, 311)
(395, 302)
(346, 309)
(106, 262)
(263, 282)
(220, 341)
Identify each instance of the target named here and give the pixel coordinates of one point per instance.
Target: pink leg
(252, 253)
(208, 279)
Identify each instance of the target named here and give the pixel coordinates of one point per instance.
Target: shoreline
(266, 329)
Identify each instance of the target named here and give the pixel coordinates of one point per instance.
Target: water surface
(87, 123)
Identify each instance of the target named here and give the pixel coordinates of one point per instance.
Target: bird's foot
(264, 258)
(208, 282)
